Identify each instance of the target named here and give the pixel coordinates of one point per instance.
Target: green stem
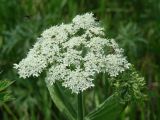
(80, 106)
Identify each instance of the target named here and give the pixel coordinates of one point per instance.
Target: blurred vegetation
(135, 25)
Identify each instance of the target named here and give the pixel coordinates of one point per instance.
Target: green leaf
(5, 84)
(62, 101)
(5, 95)
(110, 109)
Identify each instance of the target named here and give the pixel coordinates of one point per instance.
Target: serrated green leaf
(110, 109)
(62, 101)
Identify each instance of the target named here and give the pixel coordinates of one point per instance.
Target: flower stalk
(80, 114)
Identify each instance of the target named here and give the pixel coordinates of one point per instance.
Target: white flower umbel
(73, 54)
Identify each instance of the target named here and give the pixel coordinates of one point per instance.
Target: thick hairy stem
(80, 106)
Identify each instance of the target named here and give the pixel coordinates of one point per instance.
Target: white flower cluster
(73, 54)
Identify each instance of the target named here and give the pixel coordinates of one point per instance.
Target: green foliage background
(134, 23)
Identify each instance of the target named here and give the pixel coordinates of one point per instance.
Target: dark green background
(135, 24)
